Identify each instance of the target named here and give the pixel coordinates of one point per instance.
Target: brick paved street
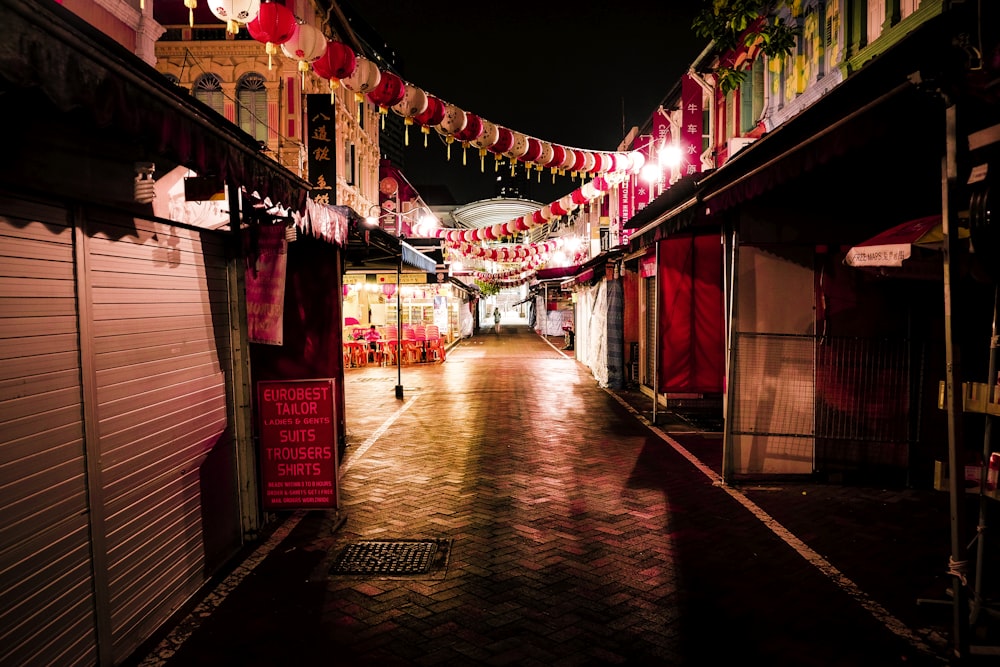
(569, 532)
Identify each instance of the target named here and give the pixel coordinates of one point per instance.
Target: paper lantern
(532, 151)
(569, 160)
(518, 147)
(454, 120)
(431, 116)
(557, 208)
(273, 26)
(558, 155)
(578, 197)
(413, 103)
(588, 162)
(234, 12)
(388, 92)
(363, 79)
(567, 203)
(636, 161)
(505, 139)
(473, 128)
(488, 136)
(337, 62)
(545, 154)
(306, 45)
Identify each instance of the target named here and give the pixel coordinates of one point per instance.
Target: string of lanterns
(274, 25)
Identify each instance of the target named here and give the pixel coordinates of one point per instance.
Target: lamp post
(375, 220)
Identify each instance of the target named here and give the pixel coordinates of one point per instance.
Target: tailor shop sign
(298, 451)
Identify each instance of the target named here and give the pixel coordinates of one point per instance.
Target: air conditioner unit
(736, 144)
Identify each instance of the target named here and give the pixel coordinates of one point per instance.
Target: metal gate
(118, 466)
(837, 404)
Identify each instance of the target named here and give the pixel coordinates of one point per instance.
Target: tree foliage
(735, 24)
(486, 288)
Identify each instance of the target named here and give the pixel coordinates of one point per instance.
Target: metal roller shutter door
(47, 607)
(159, 303)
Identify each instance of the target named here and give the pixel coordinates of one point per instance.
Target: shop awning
(416, 259)
(908, 250)
(81, 70)
(375, 248)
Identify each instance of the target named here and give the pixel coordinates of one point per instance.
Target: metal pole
(656, 333)
(953, 383)
(399, 326)
(981, 529)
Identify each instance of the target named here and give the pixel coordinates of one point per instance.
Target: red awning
(896, 245)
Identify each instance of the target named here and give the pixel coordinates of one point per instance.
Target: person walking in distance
(496, 320)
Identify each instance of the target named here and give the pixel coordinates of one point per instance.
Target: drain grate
(386, 557)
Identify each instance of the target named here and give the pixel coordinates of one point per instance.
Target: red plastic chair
(435, 344)
(389, 345)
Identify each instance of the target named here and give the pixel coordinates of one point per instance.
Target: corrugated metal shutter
(161, 344)
(649, 338)
(46, 610)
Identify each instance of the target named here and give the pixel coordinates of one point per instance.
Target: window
(349, 159)
(208, 89)
(251, 107)
(876, 17)
(752, 96)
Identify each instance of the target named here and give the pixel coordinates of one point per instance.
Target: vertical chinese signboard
(322, 161)
(691, 124)
(298, 444)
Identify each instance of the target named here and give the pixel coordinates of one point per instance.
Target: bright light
(425, 225)
(651, 172)
(669, 155)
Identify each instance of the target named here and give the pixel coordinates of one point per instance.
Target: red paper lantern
(336, 63)
(558, 155)
(580, 158)
(505, 139)
(433, 114)
(557, 208)
(388, 92)
(473, 128)
(578, 196)
(275, 24)
(532, 150)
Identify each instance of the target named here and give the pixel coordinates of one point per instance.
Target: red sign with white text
(298, 444)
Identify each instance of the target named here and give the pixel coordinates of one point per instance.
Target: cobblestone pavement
(564, 529)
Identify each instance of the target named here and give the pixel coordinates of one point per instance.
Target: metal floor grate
(386, 557)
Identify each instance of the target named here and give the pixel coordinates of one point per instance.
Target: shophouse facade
(847, 140)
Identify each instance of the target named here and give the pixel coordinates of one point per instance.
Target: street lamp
(424, 225)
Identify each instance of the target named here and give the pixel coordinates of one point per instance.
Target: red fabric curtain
(691, 333)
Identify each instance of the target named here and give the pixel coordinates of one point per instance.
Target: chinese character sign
(691, 125)
(298, 444)
(640, 186)
(322, 160)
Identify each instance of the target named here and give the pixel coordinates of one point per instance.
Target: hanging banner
(267, 252)
(640, 186)
(322, 153)
(298, 444)
(691, 124)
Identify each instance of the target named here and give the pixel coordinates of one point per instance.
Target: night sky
(579, 74)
